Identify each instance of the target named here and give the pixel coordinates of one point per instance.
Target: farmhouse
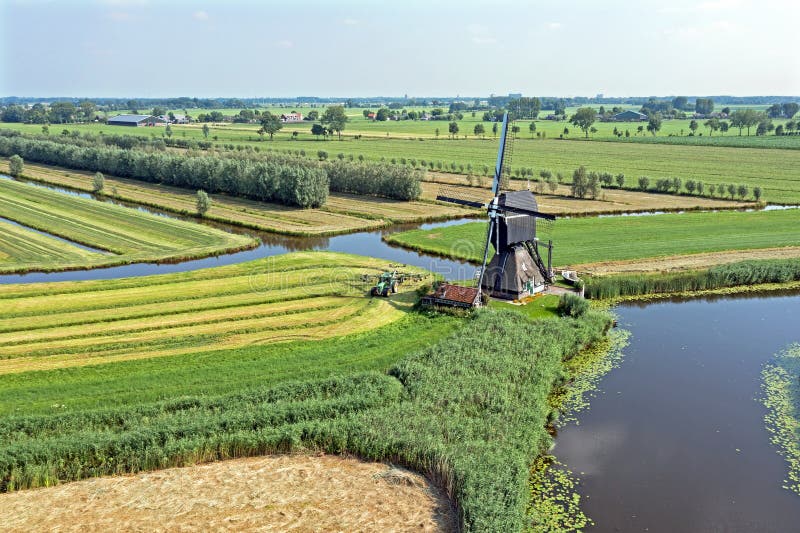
(292, 117)
(629, 116)
(135, 120)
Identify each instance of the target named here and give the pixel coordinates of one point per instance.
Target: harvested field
(562, 203)
(341, 214)
(129, 235)
(273, 493)
(300, 296)
(685, 262)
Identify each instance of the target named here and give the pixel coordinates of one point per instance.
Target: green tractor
(388, 282)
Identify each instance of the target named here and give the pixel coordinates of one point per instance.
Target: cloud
(200, 15)
(285, 43)
(555, 26)
(119, 16)
(350, 21)
(481, 34)
(712, 29)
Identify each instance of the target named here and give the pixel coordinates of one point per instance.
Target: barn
(449, 295)
(135, 120)
(629, 116)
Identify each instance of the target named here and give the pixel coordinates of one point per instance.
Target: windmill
(517, 268)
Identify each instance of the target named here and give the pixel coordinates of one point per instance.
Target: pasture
(581, 241)
(302, 296)
(773, 170)
(118, 234)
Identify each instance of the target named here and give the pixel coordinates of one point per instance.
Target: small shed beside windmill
(453, 296)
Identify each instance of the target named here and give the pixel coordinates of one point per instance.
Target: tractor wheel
(394, 287)
(385, 292)
(374, 291)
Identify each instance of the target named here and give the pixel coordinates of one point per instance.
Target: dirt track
(685, 262)
(275, 493)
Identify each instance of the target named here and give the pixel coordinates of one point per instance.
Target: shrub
(572, 305)
(98, 182)
(15, 165)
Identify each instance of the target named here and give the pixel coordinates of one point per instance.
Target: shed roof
(129, 118)
(456, 293)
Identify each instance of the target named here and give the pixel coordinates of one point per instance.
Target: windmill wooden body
(517, 268)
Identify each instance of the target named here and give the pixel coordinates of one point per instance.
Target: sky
(288, 48)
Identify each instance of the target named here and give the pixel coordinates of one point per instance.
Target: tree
(313, 115)
(680, 103)
(704, 106)
(203, 203)
(453, 129)
(774, 111)
(98, 182)
(532, 128)
(335, 118)
(700, 188)
(690, 186)
(790, 109)
(713, 125)
(580, 182)
(693, 125)
(764, 126)
(779, 130)
(620, 180)
(479, 130)
(494, 129)
(15, 165)
(654, 123)
(87, 110)
(270, 123)
(724, 126)
(317, 130)
(583, 118)
(644, 182)
(757, 193)
(206, 130)
(168, 131)
(732, 190)
(741, 190)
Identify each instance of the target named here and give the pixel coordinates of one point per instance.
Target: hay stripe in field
(296, 296)
(133, 235)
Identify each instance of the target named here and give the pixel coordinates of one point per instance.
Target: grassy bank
(781, 386)
(591, 240)
(470, 411)
(127, 235)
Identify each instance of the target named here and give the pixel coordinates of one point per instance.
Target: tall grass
(470, 411)
(730, 275)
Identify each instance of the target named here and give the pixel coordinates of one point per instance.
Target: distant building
(629, 116)
(292, 117)
(135, 120)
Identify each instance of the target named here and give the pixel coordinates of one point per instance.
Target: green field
(592, 240)
(773, 170)
(300, 296)
(121, 235)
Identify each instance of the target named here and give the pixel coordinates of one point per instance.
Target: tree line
(275, 177)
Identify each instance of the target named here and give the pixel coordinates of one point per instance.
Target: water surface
(675, 441)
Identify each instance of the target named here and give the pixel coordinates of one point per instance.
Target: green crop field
(300, 296)
(121, 235)
(773, 170)
(592, 240)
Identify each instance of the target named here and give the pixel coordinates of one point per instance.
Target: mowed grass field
(118, 234)
(592, 240)
(773, 170)
(300, 296)
(342, 213)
